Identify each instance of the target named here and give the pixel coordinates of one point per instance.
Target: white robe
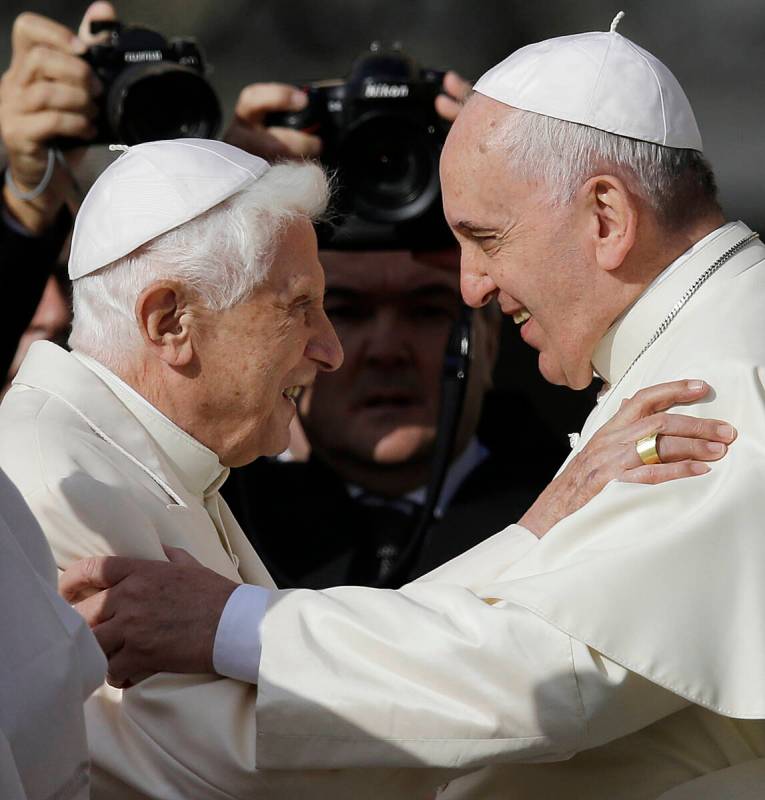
(627, 646)
(49, 664)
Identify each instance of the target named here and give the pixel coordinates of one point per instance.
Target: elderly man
(625, 646)
(136, 429)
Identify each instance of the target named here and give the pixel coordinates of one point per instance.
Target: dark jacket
(311, 533)
(26, 262)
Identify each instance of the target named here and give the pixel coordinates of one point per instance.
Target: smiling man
(509, 200)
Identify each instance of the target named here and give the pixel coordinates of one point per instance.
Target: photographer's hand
(46, 92)
(456, 90)
(247, 129)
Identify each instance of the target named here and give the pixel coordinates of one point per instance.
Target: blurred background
(717, 51)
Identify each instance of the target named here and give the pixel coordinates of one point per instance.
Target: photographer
(47, 92)
(371, 426)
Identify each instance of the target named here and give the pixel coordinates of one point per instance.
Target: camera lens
(162, 101)
(389, 166)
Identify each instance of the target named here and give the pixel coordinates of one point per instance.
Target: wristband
(40, 188)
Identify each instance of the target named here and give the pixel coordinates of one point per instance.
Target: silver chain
(687, 295)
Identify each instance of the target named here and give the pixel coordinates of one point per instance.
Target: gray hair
(677, 184)
(222, 255)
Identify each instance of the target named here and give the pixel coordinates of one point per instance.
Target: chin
(404, 444)
(273, 448)
(246, 454)
(554, 372)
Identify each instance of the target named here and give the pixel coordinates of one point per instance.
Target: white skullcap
(597, 79)
(151, 189)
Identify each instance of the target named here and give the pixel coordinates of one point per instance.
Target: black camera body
(380, 134)
(153, 88)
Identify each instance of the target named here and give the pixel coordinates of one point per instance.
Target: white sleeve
(435, 674)
(236, 652)
(237, 648)
(478, 566)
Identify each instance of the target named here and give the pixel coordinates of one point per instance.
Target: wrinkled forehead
(478, 178)
(390, 271)
(478, 128)
(296, 264)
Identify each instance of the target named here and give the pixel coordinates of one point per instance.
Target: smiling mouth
(521, 316)
(292, 392)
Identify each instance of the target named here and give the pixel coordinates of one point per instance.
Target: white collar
(633, 329)
(683, 257)
(198, 467)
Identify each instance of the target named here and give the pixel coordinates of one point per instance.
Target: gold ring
(646, 449)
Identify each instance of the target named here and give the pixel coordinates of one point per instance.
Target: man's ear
(612, 213)
(165, 319)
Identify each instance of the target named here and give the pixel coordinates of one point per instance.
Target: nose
(477, 290)
(324, 347)
(386, 340)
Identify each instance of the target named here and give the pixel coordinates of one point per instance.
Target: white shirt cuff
(236, 652)
(524, 536)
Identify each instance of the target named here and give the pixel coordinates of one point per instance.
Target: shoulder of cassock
(96, 480)
(55, 444)
(669, 580)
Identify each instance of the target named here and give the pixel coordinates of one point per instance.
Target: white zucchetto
(601, 80)
(153, 188)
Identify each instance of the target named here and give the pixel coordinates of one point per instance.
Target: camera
(380, 134)
(153, 88)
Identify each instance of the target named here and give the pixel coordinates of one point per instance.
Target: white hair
(222, 255)
(677, 184)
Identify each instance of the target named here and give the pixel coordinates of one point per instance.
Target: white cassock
(626, 648)
(49, 664)
(104, 472)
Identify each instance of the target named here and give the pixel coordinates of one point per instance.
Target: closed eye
(473, 231)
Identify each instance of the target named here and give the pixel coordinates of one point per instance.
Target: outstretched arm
(126, 611)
